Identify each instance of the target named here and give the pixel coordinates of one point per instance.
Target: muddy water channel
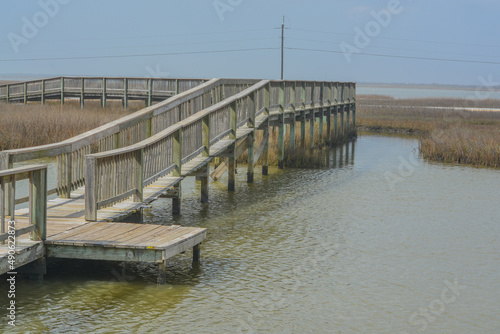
(379, 242)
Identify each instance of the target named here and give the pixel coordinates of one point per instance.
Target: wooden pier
(149, 90)
(109, 173)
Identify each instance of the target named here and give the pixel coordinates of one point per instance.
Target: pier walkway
(107, 174)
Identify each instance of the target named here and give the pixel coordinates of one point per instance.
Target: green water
(380, 242)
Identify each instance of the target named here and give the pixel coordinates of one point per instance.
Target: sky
(386, 41)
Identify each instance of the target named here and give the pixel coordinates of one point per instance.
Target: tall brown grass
(34, 124)
(473, 145)
(454, 136)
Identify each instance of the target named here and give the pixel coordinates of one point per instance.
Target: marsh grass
(453, 136)
(34, 124)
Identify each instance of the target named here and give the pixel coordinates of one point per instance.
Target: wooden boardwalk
(114, 171)
(149, 90)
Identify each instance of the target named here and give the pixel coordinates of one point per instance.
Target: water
(405, 93)
(380, 242)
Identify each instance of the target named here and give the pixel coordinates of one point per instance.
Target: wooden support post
(328, 114)
(354, 116)
(342, 123)
(313, 118)
(176, 86)
(293, 123)
(335, 124)
(125, 93)
(104, 88)
(38, 204)
(8, 94)
(25, 92)
(91, 189)
(42, 97)
(265, 131)
(281, 126)
(65, 167)
(251, 148)
(139, 175)
(311, 128)
(162, 272)
(321, 124)
(150, 92)
(177, 172)
(82, 94)
(205, 130)
(302, 128)
(348, 116)
(196, 253)
(204, 176)
(231, 163)
(62, 91)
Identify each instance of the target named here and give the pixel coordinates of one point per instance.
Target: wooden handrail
(37, 175)
(71, 152)
(326, 96)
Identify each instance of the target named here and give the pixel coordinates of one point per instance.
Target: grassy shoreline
(457, 136)
(34, 124)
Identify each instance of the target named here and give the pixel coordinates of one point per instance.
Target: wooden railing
(122, 88)
(122, 132)
(115, 175)
(37, 175)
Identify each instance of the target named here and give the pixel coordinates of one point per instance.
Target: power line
(149, 36)
(401, 57)
(147, 46)
(138, 55)
(401, 39)
(388, 48)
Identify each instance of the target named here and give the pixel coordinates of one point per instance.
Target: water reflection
(302, 250)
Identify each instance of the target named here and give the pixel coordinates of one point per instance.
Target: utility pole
(282, 45)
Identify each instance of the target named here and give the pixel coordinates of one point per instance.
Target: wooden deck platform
(125, 242)
(26, 252)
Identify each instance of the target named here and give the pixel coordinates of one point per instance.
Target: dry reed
(34, 124)
(447, 135)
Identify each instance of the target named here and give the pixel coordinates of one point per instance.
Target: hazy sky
(341, 40)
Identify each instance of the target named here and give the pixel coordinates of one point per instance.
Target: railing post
(25, 92)
(303, 115)
(176, 86)
(38, 203)
(5, 163)
(82, 94)
(139, 176)
(8, 94)
(104, 88)
(91, 189)
(265, 134)
(150, 92)
(281, 126)
(177, 172)
(65, 169)
(205, 137)
(43, 92)
(251, 148)
(125, 93)
(62, 91)
(231, 166)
